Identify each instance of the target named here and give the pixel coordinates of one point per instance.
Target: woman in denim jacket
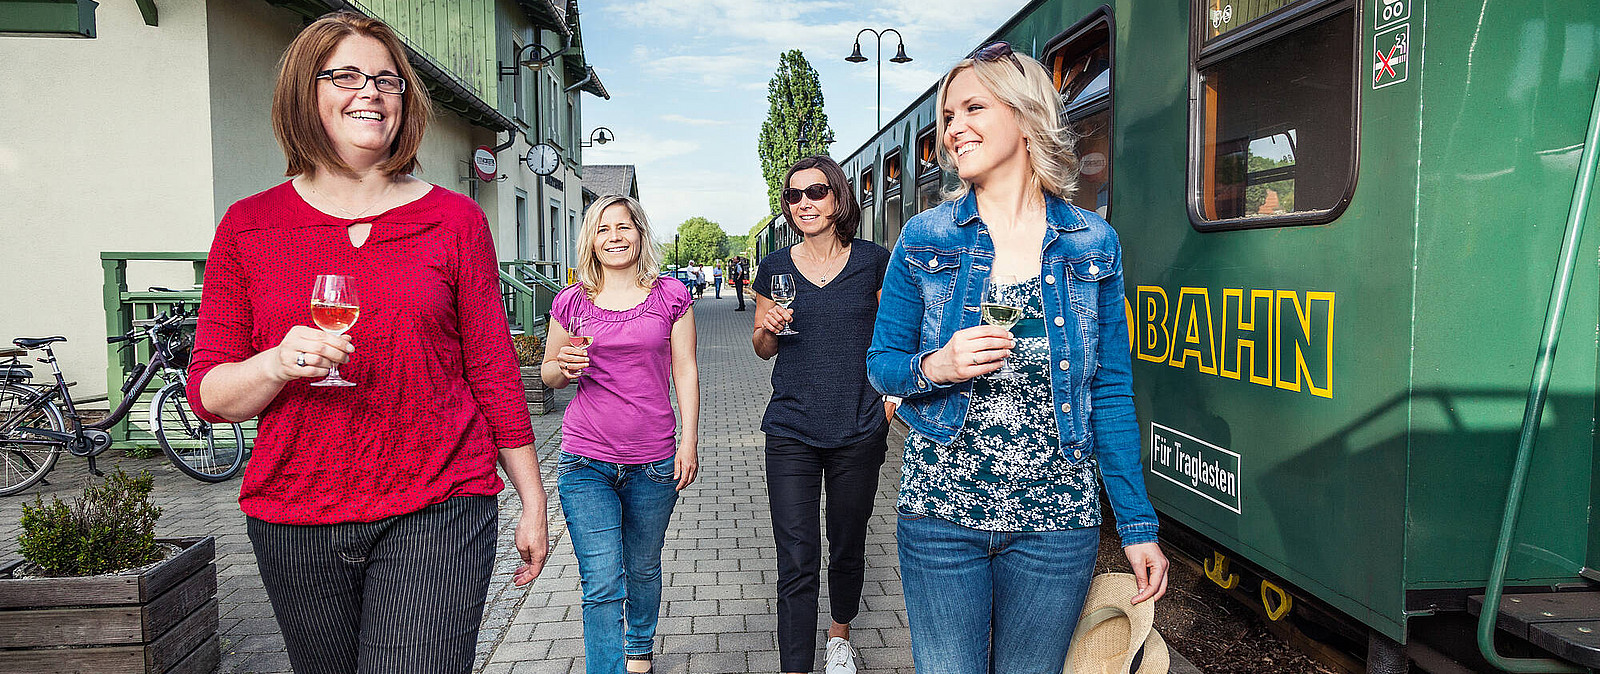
(999, 495)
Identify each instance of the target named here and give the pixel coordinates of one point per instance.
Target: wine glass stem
(333, 371)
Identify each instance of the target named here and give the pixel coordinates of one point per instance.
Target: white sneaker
(841, 657)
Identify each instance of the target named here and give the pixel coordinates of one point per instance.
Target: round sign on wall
(483, 163)
(1092, 164)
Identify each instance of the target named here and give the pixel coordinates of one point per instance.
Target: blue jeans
(988, 601)
(617, 519)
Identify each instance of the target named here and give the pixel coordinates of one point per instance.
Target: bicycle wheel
(25, 457)
(202, 450)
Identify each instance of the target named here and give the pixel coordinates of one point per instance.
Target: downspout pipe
(1537, 391)
(588, 76)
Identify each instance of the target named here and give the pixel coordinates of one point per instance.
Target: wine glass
(334, 308)
(1002, 307)
(783, 294)
(578, 335)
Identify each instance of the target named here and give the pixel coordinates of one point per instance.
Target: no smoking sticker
(1390, 50)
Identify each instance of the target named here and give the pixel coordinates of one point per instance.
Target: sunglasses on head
(995, 51)
(814, 192)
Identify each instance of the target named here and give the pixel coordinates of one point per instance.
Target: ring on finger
(300, 359)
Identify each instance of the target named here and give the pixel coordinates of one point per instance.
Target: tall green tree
(794, 100)
(700, 241)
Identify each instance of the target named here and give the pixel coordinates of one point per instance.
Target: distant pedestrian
(825, 425)
(619, 470)
(999, 508)
(699, 279)
(371, 509)
(716, 279)
(738, 275)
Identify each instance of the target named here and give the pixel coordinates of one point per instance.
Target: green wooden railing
(124, 309)
(528, 287)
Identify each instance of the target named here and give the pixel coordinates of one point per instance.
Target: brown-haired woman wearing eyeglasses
(371, 508)
(825, 423)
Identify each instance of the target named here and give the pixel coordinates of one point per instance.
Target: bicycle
(33, 428)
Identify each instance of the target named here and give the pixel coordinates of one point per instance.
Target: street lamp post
(676, 262)
(899, 57)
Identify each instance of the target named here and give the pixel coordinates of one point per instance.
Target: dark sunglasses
(995, 51)
(815, 192)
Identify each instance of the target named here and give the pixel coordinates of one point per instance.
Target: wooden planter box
(162, 620)
(540, 398)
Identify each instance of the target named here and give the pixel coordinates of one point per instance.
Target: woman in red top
(372, 508)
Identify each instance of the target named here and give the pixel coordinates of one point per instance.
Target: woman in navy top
(825, 423)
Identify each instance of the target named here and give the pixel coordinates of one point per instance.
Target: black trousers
(738, 289)
(796, 476)
(403, 594)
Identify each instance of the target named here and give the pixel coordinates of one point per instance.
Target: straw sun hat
(1113, 636)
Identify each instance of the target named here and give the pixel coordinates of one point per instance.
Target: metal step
(1565, 623)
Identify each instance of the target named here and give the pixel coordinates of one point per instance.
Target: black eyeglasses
(814, 192)
(995, 51)
(350, 78)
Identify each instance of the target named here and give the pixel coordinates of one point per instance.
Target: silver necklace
(348, 212)
(827, 263)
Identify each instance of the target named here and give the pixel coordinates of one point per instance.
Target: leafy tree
(699, 240)
(1255, 196)
(794, 98)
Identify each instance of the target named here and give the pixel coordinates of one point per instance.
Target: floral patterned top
(1004, 471)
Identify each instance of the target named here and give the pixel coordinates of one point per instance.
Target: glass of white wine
(783, 294)
(334, 308)
(1002, 308)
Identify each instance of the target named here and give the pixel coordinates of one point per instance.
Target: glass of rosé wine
(580, 336)
(334, 308)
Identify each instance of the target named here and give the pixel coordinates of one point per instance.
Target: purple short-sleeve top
(622, 411)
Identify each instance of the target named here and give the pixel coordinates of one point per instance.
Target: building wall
(246, 39)
(106, 147)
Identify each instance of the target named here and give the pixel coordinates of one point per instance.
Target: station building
(131, 126)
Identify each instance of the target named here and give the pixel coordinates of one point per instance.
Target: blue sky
(688, 82)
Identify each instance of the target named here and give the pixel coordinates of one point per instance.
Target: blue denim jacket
(934, 287)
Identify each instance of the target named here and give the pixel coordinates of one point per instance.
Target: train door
(893, 206)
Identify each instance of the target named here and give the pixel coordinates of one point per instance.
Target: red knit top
(438, 387)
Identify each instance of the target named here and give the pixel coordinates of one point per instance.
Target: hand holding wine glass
(1002, 308)
(579, 337)
(783, 293)
(334, 308)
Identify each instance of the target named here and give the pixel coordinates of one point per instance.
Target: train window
(1275, 113)
(891, 173)
(1081, 67)
(928, 172)
(866, 187)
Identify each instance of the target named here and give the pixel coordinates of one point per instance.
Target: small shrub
(142, 452)
(530, 350)
(111, 527)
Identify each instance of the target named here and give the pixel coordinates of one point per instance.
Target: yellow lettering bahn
(1276, 338)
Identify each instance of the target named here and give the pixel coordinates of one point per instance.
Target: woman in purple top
(620, 468)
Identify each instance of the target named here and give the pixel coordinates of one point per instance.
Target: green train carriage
(1342, 221)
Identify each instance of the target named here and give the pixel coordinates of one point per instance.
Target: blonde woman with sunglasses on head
(999, 507)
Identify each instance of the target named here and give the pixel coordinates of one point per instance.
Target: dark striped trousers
(403, 594)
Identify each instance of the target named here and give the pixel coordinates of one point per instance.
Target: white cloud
(637, 146)
(692, 121)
